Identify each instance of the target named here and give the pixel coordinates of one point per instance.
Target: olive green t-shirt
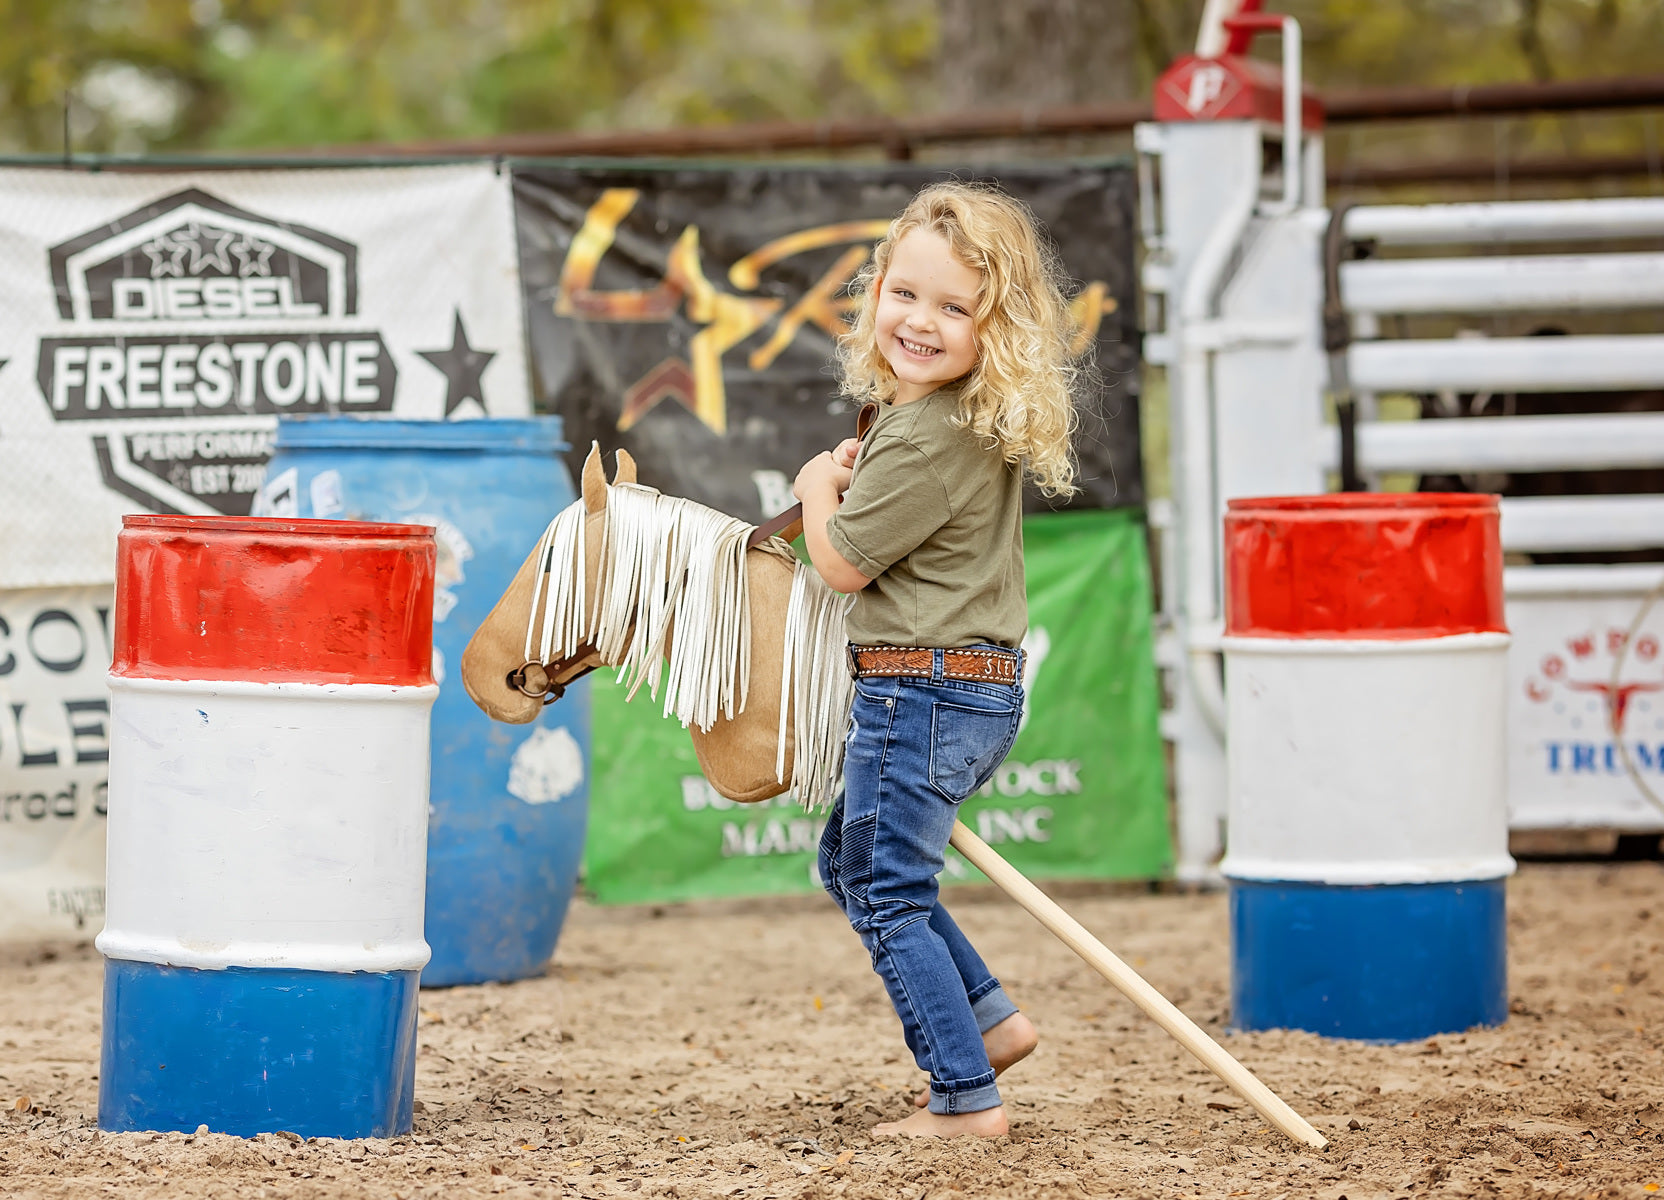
(935, 518)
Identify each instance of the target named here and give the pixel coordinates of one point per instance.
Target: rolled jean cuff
(971, 1099)
(991, 1008)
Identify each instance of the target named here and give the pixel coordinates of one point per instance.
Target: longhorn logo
(1597, 651)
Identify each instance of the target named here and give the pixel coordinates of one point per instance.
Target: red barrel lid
(274, 600)
(1363, 565)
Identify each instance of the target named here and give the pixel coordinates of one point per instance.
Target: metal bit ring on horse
(530, 679)
(749, 646)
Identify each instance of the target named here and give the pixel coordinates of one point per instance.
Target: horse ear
(595, 480)
(626, 472)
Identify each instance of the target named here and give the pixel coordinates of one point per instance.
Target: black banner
(689, 314)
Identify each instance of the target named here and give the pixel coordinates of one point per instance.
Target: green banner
(1083, 794)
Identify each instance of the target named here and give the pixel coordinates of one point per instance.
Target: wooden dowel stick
(1132, 985)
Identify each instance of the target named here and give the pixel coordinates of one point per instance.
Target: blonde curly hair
(1020, 394)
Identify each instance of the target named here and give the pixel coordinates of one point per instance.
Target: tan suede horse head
(747, 643)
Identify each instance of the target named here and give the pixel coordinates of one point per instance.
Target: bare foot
(989, 1122)
(1008, 1043)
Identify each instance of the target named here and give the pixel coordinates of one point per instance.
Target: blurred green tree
(220, 75)
(161, 75)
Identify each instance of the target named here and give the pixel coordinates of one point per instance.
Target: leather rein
(550, 680)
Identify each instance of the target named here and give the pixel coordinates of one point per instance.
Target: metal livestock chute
(1285, 324)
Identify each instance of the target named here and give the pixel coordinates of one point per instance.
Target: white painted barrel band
(216, 956)
(1365, 874)
(267, 824)
(1356, 762)
(421, 695)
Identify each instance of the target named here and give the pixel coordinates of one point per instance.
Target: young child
(962, 338)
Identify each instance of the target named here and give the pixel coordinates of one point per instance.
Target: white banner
(153, 326)
(54, 760)
(1573, 674)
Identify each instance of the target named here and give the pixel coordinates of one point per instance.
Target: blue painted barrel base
(1384, 963)
(246, 1051)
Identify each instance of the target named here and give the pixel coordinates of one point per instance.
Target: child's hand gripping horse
(962, 339)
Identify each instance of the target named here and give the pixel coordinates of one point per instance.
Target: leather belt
(972, 664)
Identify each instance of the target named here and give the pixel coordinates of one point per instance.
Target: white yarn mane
(671, 564)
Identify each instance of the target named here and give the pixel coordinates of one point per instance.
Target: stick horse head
(747, 642)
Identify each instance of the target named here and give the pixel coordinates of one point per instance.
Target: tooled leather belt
(979, 664)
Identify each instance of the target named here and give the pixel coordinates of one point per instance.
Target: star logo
(167, 257)
(725, 320)
(253, 256)
(207, 246)
(461, 365)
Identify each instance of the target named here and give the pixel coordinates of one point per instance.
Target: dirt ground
(745, 1049)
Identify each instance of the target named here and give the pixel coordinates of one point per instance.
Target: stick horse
(748, 644)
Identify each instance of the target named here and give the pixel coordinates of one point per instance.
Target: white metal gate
(1236, 287)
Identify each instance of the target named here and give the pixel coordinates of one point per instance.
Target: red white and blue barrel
(270, 689)
(1366, 678)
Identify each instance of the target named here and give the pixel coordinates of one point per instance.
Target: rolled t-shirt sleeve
(896, 501)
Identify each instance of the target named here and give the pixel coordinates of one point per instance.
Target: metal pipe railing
(898, 136)
(1547, 524)
(1503, 283)
(1585, 442)
(1529, 364)
(1507, 221)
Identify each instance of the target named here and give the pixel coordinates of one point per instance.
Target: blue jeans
(915, 749)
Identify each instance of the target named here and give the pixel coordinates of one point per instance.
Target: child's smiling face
(926, 323)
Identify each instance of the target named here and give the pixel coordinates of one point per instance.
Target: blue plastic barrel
(509, 802)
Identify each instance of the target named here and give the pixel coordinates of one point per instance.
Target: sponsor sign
(689, 315)
(156, 325)
(1083, 793)
(153, 328)
(1586, 713)
(54, 760)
